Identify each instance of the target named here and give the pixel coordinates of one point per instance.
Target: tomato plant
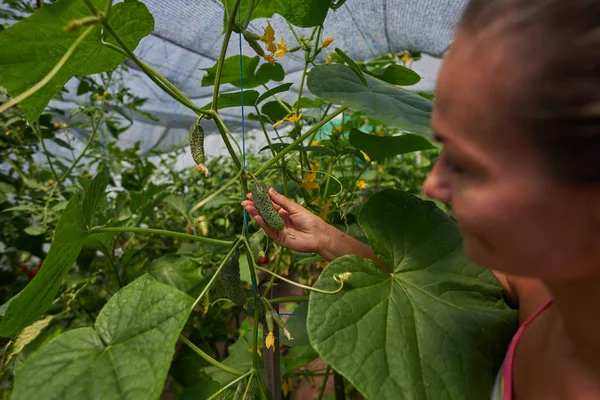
(155, 281)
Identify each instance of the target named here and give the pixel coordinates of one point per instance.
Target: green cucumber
(262, 201)
(196, 138)
(230, 278)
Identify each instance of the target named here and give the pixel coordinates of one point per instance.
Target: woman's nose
(436, 185)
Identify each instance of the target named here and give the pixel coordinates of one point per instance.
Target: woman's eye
(456, 168)
(452, 165)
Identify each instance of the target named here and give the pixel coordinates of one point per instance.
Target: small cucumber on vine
(230, 278)
(197, 146)
(262, 201)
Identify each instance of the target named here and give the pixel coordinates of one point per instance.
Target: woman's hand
(308, 229)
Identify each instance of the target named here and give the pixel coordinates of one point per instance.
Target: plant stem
(313, 289)
(289, 299)
(209, 284)
(112, 263)
(257, 306)
(151, 231)
(351, 187)
(233, 382)
(17, 169)
(275, 268)
(213, 195)
(291, 147)
(160, 80)
(38, 133)
(220, 62)
(249, 14)
(50, 74)
(224, 134)
(209, 359)
(324, 385)
(76, 161)
(329, 172)
(301, 86)
(245, 395)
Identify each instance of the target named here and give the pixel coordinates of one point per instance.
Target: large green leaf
(382, 147)
(236, 99)
(302, 13)
(274, 110)
(31, 48)
(250, 77)
(339, 84)
(299, 356)
(273, 91)
(38, 295)
(69, 238)
(93, 195)
(397, 75)
(200, 391)
(240, 358)
(142, 198)
(125, 356)
(296, 324)
(437, 328)
(176, 270)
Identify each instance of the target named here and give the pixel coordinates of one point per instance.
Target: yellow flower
(287, 386)
(308, 182)
(270, 341)
(322, 264)
(258, 349)
(365, 156)
(269, 37)
(105, 94)
(380, 169)
(270, 59)
(315, 143)
(406, 58)
(56, 125)
(361, 184)
(281, 49)
(327, 42)
(7, 133)
(325, 210)
(328, 60)
(294, 118)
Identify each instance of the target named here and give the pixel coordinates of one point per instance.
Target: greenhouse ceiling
(188, 35)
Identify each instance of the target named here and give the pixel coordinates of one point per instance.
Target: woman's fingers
(249, 206)
(284, 202)
(249, 197)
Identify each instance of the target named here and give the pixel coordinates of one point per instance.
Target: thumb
(285, 203)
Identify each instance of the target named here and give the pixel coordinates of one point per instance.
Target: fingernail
(273, 191)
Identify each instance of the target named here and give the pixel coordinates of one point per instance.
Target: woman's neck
(577, 323)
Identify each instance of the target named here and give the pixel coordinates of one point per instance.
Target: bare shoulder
(528, 293)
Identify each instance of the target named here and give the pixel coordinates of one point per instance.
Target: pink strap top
(507, 371)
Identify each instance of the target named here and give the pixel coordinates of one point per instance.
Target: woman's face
(513, 216)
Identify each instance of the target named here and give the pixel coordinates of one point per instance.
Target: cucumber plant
(163, 246)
